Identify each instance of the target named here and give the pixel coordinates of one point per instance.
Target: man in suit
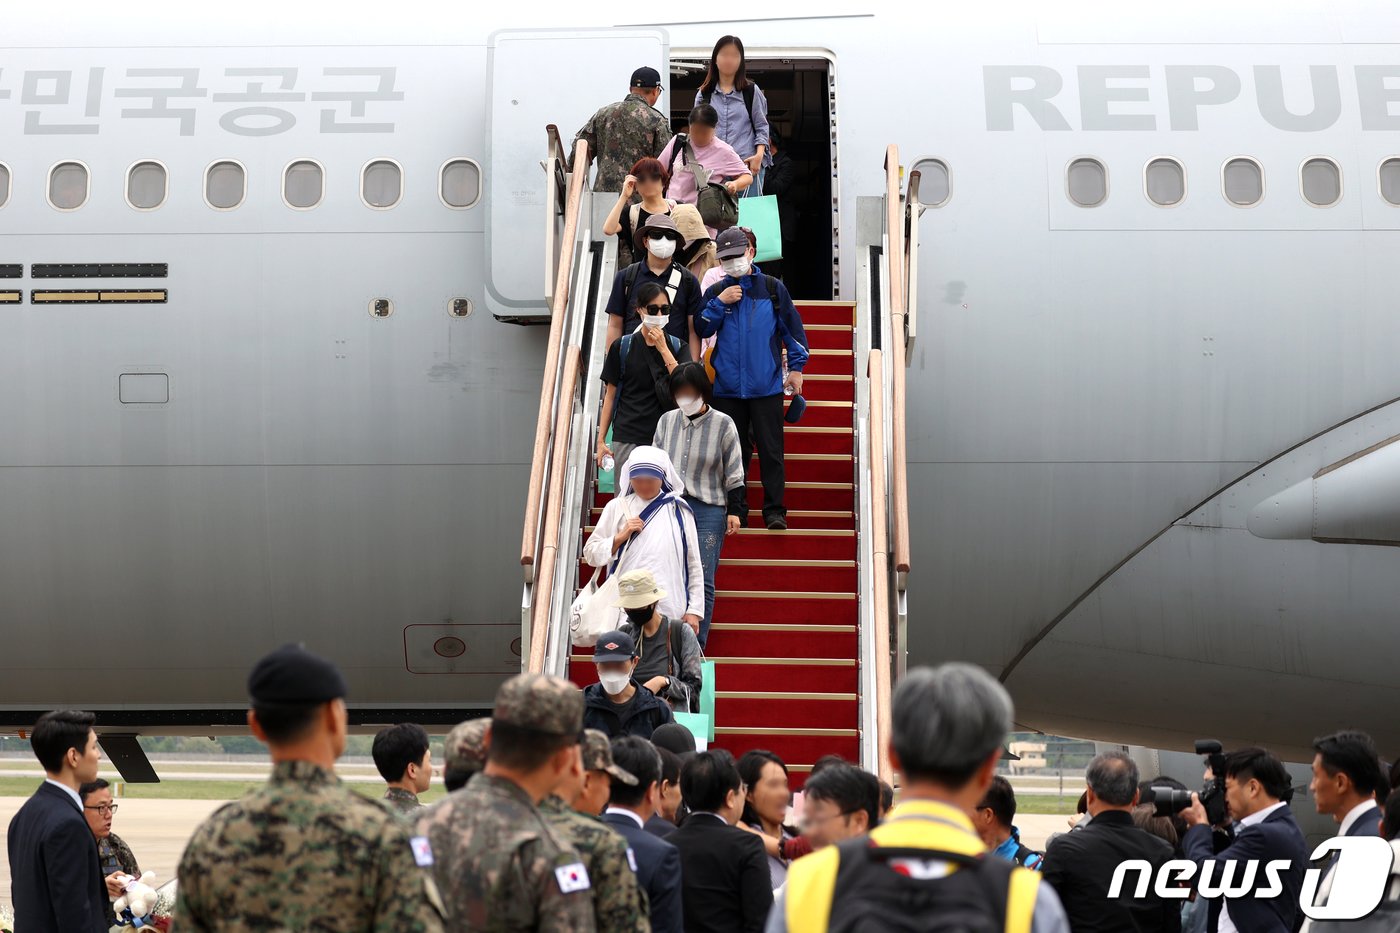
(1256, 792)
(724, 870)
(1080, 865)
(1346, 775)
(55, 876)
(657, 863)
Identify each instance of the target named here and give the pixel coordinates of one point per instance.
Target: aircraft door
(537, 77)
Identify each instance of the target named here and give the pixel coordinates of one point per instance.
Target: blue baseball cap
(614, 646)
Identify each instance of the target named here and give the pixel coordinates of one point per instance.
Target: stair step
(775, 640)
(799, 675)
(787, 576)
(803, 710)
(798, 520)
(793, 544)
(825, 414)
(826, 312)
(806, 608)
(829, 336)
(817, 387)
(830, 362)
(810, 439)
(808, 496)
(812, 468)
(805, 748)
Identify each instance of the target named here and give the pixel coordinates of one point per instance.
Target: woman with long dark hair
(766, 802)
(742, 107)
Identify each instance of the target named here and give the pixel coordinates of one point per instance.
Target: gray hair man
(1081, 865)
(949, 724)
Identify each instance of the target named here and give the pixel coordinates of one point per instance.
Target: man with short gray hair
(948, 726)
(1081, 865)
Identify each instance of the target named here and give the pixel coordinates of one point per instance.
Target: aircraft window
(4, 184)
(1243, 182)
(459, 183)
(1165, 182)
(1087, 182)
(68, 185)
(1321, 181)
(381, 184)
(303, 184)
(935, 182)
(146, 185)
(1389, 181)
(225, 184)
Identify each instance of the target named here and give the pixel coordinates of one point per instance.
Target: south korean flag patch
(572, 878)
(422, 851)
(632, 859)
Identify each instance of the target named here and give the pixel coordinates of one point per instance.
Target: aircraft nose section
(1285, 516)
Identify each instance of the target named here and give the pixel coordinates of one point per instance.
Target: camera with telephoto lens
(1169, 801)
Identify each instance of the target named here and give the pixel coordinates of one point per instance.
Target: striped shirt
(705, 450)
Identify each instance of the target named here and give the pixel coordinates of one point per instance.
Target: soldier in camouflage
(630, 129)
(464, 752)
(304, 852)
(619, 906)
(499, 866)
(404, 760)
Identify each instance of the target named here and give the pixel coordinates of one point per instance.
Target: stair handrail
(913, 210)
(879, 555)
(894, 231)
(532, 533)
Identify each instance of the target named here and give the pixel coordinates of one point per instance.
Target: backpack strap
(673, 284)
(673, 648)
(748, 93)
(1020, 900)
(679, 143)
(622, 350)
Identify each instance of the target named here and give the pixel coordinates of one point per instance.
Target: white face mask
(662, 248)
(613, 684)
(738, 267)
(653, 320)
(690, 406)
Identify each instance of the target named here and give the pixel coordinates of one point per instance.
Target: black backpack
(871, 896)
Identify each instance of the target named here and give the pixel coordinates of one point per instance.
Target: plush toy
(138, 901)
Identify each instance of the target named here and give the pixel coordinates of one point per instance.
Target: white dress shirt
(77, 801)
(1227, 925)
(628, 813)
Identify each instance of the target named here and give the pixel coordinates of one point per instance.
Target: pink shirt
(719, 157)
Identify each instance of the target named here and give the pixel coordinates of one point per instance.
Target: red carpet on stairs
(784, 636)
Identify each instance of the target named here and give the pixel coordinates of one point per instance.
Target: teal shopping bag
(761, 216)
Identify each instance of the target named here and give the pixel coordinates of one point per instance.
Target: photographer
(1256, 793)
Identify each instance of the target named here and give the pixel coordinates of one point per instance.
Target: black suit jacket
(659, 826)
(658, 870)
(1080, 866)
(724, 874)
(56, 882)
(1276, 837)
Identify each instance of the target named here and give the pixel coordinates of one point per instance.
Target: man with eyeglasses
(839, 802)
(114, 854)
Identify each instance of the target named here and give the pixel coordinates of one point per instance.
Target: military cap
(597, 756)
(545, 704)
(291, 674)
(465, 746)
(646, 77)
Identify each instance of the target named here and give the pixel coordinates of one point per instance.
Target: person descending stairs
(783, 639)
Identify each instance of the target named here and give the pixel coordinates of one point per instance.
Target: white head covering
(651, 460)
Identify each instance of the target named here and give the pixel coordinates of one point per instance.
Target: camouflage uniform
(464, 749)
(620, 134)
(499, 866)
(115, 855)
(403, 802)
(304, 852)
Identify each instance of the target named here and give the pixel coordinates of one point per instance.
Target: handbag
(761, 216)
(592, 613)
(718, 208)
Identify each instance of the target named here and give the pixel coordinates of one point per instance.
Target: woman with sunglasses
(637, 372)
(648, 178)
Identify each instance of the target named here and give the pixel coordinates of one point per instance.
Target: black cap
(646, 77)
(291, 674)
(614, 646)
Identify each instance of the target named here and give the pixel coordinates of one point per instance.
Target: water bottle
(788, 390)
(608, 463)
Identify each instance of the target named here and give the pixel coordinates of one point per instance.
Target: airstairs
(809, 623)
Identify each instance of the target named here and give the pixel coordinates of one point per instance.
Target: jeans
(755, 190)
(709, 528)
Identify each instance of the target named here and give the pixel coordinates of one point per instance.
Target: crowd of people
(552, 825)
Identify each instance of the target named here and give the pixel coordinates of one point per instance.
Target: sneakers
(776, 523)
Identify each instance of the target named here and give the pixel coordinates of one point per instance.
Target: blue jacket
(1276, 837)
(748, 352)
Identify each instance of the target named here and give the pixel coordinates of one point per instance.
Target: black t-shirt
(685, 305)
(655, 653)
(640, 389)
